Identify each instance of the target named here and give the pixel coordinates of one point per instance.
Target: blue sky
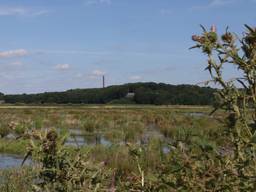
(55, 45)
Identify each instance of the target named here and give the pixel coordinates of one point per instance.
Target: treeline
(144, 93)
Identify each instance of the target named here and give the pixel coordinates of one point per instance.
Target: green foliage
(195, 161)
(20, 128)
(17, 179)
(1, 96)
(60, 170)
(240, 103)
(4, 129)
(122, 101)
(13, 146)
(145, 93)
(89, 125)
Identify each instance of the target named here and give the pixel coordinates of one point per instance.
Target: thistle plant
(58, 168)
(237, 95)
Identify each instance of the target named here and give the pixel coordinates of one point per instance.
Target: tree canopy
(145, 93)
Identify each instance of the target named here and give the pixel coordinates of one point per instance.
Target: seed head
(213, 29)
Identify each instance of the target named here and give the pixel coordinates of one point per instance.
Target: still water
(11, 161)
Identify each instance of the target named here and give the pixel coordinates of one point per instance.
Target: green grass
(127, 127)
(118, 124)
(13, 146)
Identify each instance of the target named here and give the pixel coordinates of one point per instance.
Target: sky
(56, 45)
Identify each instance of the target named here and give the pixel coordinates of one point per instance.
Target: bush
(4, 129)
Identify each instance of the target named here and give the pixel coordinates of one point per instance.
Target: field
(115, 125)
(108, 135)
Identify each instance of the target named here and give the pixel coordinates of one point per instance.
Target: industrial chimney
(103, 81)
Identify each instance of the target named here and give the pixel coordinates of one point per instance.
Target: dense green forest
(144, 93)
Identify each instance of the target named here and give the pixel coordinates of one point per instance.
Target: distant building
(2, 101)
(130, 95)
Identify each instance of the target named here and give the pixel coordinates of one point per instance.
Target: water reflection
(78, 138)
(11, 161)
(196, 114)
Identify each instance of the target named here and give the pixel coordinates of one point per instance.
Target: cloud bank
(13, 53)
(62, 67)
(21, 11)
(214, 4)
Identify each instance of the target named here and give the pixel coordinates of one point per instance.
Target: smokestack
(103, 81)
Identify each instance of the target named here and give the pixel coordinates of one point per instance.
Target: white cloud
(214, 4)
(13, 53)
(40, 12)
(16, 63)
(95, 52)
(82, 52)
(98, 73)
(135, 78)
(62, 67)
(94, 2)
(21, 11)
(105, 1)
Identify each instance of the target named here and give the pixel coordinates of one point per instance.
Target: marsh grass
(13, 146)
(18, 179)
(138, 137)
(116, 125)
(4, 128)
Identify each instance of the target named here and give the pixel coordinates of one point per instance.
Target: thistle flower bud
(251, 40)
(195, 38)
(227, 37)
(212, 37)
(51, 135)
(213, 29)
(198, 39)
